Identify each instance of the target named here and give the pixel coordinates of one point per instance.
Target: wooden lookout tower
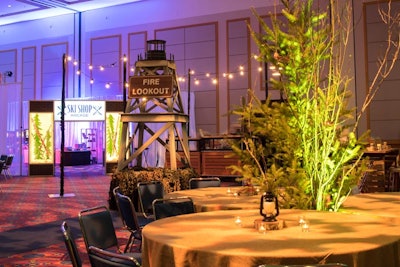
(154, 99)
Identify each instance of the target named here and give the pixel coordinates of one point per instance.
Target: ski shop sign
(150, 86)
(80, 110)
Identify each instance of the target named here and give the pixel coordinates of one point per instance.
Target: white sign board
(79, 110)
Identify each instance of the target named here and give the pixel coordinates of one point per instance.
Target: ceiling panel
(13, 11)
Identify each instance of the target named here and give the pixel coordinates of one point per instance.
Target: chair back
(126, 211)
(9, 160)
(103, 258)
(71, 245)
(3, 157)
(148, 192)
(97, 228)
(204, 182)
(168, 207)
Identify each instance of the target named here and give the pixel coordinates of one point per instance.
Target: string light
(107, 85)
(241, 71)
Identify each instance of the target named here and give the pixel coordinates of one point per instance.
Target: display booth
(91, 130)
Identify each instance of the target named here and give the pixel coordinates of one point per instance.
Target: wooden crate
(215, 163)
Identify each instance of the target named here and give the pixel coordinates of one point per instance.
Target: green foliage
(308, 141)
(111, 142)
(172, 180)
(43, 142)
(266, 152)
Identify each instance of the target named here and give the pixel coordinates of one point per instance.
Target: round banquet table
(213, 239)
(218, 198)
(384, 204)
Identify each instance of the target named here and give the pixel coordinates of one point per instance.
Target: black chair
(7, 166)
(130, 219)
(168, 207)
(103, 258)
(204, 182)
(3, 159)
(98, 230)
(2, 164)
(71, 245)
(147, 193)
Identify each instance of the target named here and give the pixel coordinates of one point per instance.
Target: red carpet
(25, 202)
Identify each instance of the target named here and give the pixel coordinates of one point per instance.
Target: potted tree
(306, 149)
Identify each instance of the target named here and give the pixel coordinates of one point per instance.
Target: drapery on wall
(11, 133)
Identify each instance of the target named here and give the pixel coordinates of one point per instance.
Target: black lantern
(269, 207)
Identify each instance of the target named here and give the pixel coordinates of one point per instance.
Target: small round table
(219, 198)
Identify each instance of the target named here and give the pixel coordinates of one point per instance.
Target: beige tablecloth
(213, 239)
(375, 204)
(218, 198)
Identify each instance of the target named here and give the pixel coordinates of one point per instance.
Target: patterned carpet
(25, 203)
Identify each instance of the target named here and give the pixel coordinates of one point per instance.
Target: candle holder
(269, 207)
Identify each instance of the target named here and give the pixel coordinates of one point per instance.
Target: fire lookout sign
(150, 86)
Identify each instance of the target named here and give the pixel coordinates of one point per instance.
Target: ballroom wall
(209, 37)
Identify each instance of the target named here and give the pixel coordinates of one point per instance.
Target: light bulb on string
(276, 74)
(241, 70)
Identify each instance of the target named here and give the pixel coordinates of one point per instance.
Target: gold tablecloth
(218, 198)
(213, 239)
(375, 204)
